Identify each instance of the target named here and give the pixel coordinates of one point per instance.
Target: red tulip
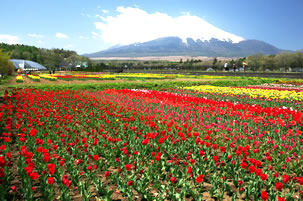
(128, 167)
(279, 186)
(14, 189)
(200, 178)
(50, 180)
(264, 195)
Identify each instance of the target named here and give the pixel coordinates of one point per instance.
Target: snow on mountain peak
(197, 28)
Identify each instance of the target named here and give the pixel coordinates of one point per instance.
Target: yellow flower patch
(253, 93)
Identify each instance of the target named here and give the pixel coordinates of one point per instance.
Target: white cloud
(35, 35)
(61, 35)
(136, 25)
(9, 39)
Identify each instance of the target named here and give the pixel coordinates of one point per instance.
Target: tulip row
(84, 77)
(245, 99)
(252, 92)
(114, 76)
(19, 78)
(278, 88)
(289, 82)
(149, 144)
(48, 77)
(34, 78)
(144, 76)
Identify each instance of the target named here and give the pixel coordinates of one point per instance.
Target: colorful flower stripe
(79, 76)
(295, 82)
(144, 75)
(113, 76)
(19, 78)
(34, 78)
(243, 99)
(269, 94)
(48, 77)
(273, 88)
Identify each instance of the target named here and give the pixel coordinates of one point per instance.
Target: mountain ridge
(175, 46)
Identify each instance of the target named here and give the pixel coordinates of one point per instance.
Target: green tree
(254, 61)
(215, 60)
(298, 59)
(284, 60)
(268, 62)
(6, 66)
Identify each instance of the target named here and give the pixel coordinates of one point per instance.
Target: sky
(93, 25)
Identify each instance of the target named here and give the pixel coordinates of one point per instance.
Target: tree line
(283, 61)
(50, 58)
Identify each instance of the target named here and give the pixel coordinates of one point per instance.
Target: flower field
(149, 145)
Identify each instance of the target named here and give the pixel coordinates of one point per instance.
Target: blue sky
(93, 25)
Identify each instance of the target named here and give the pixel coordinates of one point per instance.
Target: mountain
(175, 46)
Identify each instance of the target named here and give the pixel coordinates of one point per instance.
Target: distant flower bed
(251, 92)
(145, 76)
(34, 78)
(290, 82)
(48, 77)
(19, 78)
(84, 77)
(274, 88)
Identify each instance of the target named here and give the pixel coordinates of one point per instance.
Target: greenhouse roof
(27, 65)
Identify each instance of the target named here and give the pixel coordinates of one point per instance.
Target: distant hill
(175, 46)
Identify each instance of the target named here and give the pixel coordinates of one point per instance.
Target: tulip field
(197, 143)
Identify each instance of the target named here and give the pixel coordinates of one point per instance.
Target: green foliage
(4, 81)
(94, 67)
(244, 81)
(284, 60)
(6, 67)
